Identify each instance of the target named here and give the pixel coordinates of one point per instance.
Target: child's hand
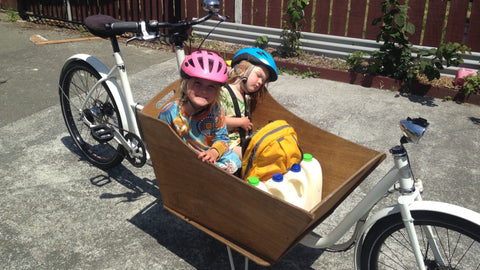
(245, 123)
(209, 156)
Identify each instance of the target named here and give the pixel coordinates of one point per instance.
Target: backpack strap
(241, 131)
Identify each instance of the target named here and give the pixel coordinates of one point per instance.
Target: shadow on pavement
(202, 251)
(425, 101)
(475, 120)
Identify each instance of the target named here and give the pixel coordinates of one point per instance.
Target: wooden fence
(436, 21)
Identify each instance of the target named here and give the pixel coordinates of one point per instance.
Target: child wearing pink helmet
(197, 116)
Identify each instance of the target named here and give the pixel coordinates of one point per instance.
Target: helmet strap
(245, 77)
(247, 74)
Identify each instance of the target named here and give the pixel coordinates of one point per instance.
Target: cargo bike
(108, 126)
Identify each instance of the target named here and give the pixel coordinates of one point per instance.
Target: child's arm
(211, 155)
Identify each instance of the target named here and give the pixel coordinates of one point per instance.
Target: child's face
(202, 92)
(258, 77)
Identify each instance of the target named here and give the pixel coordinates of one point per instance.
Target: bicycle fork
(409, 195)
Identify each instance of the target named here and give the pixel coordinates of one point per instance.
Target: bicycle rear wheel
(100, 113)
(386, 245)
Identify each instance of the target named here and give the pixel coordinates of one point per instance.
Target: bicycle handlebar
(143, 28)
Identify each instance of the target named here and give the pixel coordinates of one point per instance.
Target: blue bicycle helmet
(257, 56)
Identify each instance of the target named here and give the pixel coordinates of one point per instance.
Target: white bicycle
(101, 117)
(100, 113)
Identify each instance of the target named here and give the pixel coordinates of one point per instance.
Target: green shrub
(12, 15)
(397, 58)
(262, 42)
(291, 35)
(471, 84)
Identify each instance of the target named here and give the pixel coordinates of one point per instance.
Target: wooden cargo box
(249, 220)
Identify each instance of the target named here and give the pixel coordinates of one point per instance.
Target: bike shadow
(176, 235)
(203, 251)
(121, 174)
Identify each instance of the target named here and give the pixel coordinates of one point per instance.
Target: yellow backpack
(272, 149)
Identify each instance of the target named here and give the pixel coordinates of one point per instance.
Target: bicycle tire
(386, 244)
(76, 80)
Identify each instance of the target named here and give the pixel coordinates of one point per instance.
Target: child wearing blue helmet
(252, 68)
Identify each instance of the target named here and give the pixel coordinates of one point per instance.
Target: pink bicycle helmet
(205, 65)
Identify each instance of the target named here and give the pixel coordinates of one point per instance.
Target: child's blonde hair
(238, 72)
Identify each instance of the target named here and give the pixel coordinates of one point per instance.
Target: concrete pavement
(59, 212)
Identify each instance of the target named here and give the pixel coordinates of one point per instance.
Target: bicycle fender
(432, 206)
(111, 83)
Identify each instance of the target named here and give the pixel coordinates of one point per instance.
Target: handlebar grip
(119, 28)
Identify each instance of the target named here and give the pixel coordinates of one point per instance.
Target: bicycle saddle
(96, 25)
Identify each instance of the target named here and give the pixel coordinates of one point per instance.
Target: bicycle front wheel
(90, 117)
(387, 246)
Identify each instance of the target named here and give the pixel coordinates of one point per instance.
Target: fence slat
(247, 11)
(374, 11)
(275, 13)
(155, 11)
(339, 17)
(435, 19)
(309, 19)
(415, 16)
(229, 10)
(170, 7)
(176, 11)
(57, 11)
(116, 8)
(102, 8)
(160, 11)
(48, 8)
(135, 10)
(190, 9)
(149, 10)
(357, 18)
(123, 10)
(142, 11)
(322, 15)
(83, 10)
(129, 13)
(473, 33)
(259, 11)
(73, 10)
(457, 19)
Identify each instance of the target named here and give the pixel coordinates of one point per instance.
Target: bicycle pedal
(102, 133)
